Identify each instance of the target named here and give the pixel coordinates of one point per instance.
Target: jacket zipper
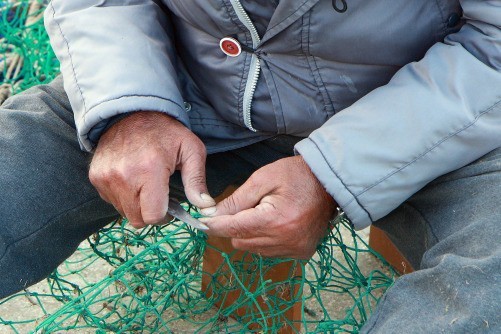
(255, 65)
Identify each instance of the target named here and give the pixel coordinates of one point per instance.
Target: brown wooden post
(381, 243)
(213, 260)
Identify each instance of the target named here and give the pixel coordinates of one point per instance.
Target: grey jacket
(389, 95)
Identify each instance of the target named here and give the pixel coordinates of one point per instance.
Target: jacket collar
(287, 12)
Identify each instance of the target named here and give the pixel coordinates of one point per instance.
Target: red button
(230, 46)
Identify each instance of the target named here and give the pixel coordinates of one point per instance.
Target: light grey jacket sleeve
(434, 116)
(116, 57)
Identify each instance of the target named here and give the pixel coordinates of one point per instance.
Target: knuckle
(267, 208)
(230, 203)
(260, 177)
(196, 145)
(193, 149)
(200, 148)
(94, 178)
(197, 179)
(116, 174)
(254, 181)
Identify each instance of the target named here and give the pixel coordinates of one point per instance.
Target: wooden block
(381, 243)
(213, 262)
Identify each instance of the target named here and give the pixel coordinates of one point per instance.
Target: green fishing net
(26, 58)
(170, 279)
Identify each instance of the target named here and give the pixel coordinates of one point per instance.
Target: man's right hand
(134, 160)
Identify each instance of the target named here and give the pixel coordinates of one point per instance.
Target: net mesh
(156, 279)
(26, 56)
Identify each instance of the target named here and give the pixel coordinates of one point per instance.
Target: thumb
(193, 176)
(247, 196)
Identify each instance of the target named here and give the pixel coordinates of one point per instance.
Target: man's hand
(134, 160)
(281, 211)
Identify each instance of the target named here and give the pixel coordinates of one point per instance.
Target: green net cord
(26, 58)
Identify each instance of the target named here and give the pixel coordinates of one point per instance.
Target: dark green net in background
(26, 58)
(149, 281)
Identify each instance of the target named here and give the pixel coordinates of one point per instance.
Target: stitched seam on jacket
(276, 102)
(285, 18)
(314, 69)
(344, 185)
(49, 223)
(442, 17)
(431, 148)
(324, 87)
(133, 95)
(70, 56)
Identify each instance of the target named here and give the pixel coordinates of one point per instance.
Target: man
(393, 108)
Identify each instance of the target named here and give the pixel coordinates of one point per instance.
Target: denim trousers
(448, 230)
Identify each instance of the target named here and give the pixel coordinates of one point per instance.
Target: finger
(111, 199)
(122, 198)
(129, 202)
(194, 178)
(264, 246)
(120, 210)
(154, 198)
(102, 186)
(247, 196)
(259, 245)
(250, 223)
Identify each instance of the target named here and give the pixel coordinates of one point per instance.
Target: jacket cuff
(100, 128)
(333, 184)
(109, 109)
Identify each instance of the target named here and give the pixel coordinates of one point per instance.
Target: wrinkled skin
(134, 160)
(281, 211)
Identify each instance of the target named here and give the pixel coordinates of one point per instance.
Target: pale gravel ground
(21, 307)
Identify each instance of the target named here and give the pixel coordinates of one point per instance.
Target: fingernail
(208, 211)
(207, 199)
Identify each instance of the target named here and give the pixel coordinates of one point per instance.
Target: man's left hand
(282, 210)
